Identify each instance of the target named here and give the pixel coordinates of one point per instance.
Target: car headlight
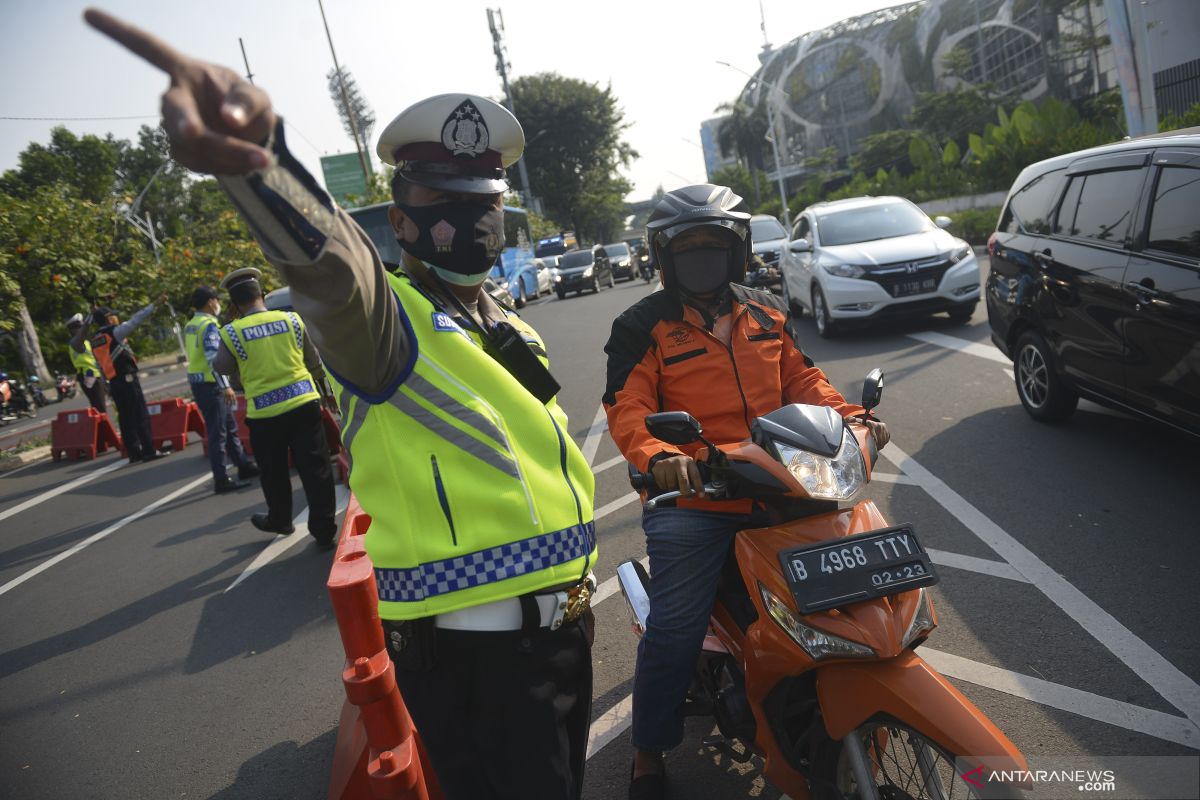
(960, 254)
(587, 273)
(844, 270)
(623, 263)
(816, 643)
(837, 478)
(922, 621)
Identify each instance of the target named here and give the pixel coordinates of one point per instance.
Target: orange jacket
(662, 357)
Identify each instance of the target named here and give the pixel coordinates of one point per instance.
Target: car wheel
(795, 308)
(561, 295)
(1038, 385)
(825, 326)
(520, 301)
(612, 282)
(961, 316)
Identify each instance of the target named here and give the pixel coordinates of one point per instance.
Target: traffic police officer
(481, 534)
(279, 371)
(119, 365)
(214, 396)
(86, 368)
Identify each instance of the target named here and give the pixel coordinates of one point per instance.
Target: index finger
(136, 40)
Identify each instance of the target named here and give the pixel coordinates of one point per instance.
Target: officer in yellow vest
(213, 394)
(279, 371)
(481, 534)
(86, 368)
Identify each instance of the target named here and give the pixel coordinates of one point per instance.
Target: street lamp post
(771, 137)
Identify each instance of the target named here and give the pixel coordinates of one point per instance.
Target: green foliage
(974, 225)
(884, 151)
(1173, 122)
(379, 190)
(574, 151)
(744, 182)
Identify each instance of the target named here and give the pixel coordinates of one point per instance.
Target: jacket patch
(680, 336)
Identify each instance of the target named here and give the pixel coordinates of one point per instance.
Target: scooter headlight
(922, 621)
(816, 643)
(837, 478)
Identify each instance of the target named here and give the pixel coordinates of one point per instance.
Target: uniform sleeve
(212, 345)
(312, 359)
(339, 284)
(803, 382)
(122, 331)
(225, 364)
(632, 392)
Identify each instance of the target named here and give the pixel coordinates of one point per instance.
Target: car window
(766, 229)
(871, 223)
(1099, 206)
(1174, 217)
(1030, 209)
(579, 258)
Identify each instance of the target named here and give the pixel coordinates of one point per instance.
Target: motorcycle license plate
(852, 569)
(906, 288)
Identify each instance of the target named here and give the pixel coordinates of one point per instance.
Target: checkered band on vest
(296, 327)
(237, 343)
(283, 393)
(510, 560)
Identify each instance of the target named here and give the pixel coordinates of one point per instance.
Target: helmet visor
(737, 227)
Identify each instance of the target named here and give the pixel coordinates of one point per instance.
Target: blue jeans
(222, 429)
(687, 549)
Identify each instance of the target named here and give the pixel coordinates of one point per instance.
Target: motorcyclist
(726, 354)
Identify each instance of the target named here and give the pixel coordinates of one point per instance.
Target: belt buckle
(579, 599)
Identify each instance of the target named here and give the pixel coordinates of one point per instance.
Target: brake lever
(653, 502)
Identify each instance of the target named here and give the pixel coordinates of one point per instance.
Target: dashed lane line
(1163, 676)
(984, 566)
(116, 526)
(281, 544)
(591, 442)
(57, 490)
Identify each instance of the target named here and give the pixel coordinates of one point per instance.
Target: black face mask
(462, 239)
(703, 270)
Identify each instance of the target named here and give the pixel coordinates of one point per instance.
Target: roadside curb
(9, 463)
(159, 370)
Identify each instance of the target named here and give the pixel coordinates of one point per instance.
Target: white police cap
(456, 142)
(241, 276)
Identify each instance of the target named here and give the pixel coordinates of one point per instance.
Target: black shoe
(263, 523)
(652, 786)
(248, 470)
(324, 545)
(229, 485)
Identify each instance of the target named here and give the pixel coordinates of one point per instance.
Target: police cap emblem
(465, 132)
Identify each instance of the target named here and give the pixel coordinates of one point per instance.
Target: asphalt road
(132, 667)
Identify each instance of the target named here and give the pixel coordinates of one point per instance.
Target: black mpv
(1094, 288)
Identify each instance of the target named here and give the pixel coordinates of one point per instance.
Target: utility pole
(146, 228)
(362, 159)
(246, 61)
(502, 67)
(772, 116)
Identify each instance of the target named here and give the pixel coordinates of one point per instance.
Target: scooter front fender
(910, 691)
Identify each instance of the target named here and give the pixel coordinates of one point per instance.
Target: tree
(953, 114)
(743, 132)
(363, 116)
(574, 151)
(87, 162)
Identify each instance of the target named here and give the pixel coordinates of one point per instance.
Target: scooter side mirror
(872, 391)
(674, 427)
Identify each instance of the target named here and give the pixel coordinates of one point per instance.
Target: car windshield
(617, 250)
(871, 223)
(580, 258)
(764, 230)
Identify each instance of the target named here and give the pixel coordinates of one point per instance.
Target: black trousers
(504, 715)
(133, 418)
(95, 395)
(300, 431)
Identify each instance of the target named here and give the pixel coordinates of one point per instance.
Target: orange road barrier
(82, 434)
(378, 754)
(171, 420)
(333, 432)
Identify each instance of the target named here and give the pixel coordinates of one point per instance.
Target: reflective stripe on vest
(269, 346)
(473, 491)
(84, 363)
(199, 370)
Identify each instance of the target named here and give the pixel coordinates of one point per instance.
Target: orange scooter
(810, 660)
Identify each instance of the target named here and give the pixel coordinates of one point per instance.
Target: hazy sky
(660, 58)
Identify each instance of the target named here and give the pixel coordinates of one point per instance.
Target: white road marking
(1086, 704)
(66, 487)
(986, 566)
(1163, 676)
(891, 477)
(608, 508)
(612, 462)
(116, 526)
(281, 544)
(591, 442)
(610, 725)
(987, 351)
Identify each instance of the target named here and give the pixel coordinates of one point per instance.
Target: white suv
(866, 258)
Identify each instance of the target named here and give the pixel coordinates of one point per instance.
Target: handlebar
(653, 502)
